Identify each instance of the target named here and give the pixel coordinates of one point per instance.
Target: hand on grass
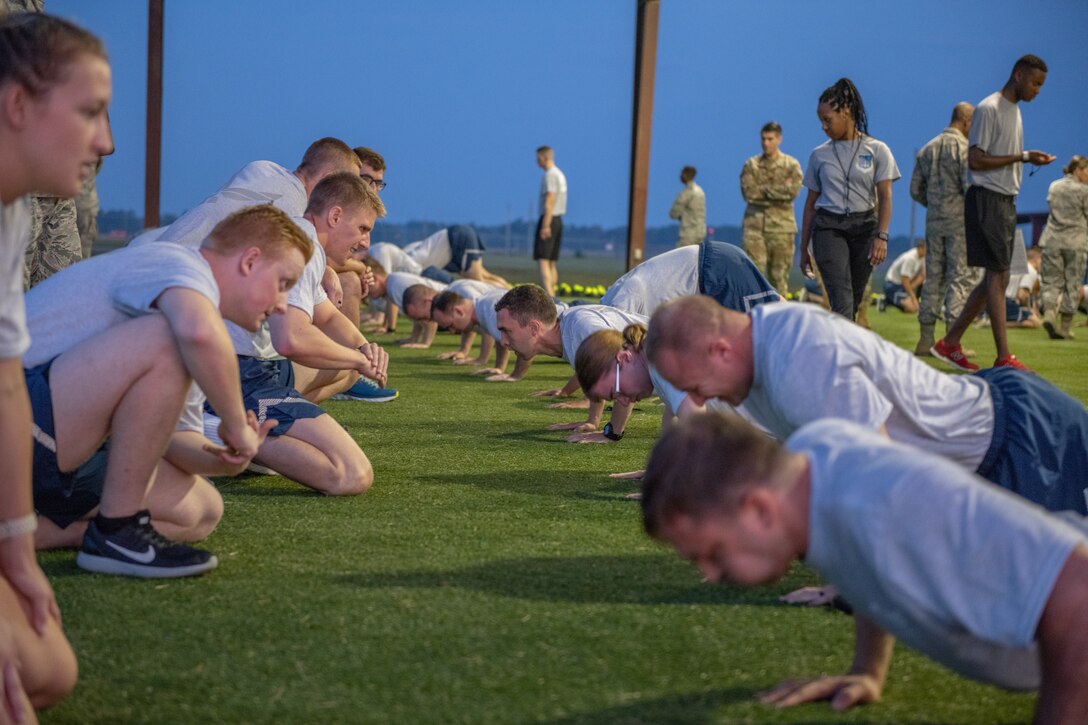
(19, 566)
(501, 378)
(582, 404)
(629, 475)
(583, 427)
(594, 437)
(487, 371)
(811, 596)
(415, 346)
(451, 355)
(550, 393)
(844, 691)
(468, 361)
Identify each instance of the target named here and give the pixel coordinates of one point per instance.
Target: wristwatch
(882, 236)
(611, 434)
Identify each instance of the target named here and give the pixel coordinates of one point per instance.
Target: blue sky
(457, 95)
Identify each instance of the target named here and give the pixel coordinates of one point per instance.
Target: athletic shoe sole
(383, 399)
(943, 358)
(107, 565)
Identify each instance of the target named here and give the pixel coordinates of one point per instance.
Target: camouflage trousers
(948, 278)
(54, 239)
(772, 253)
(1061, 275)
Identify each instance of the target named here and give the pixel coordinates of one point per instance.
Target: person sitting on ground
(54, 93)
(1022, 295)
(419, 305)
(884, 522)
(905, 278)
(116, 340)
(791, 364)
(454, 250)
(323, 353)
(720, 270)
(530, 326)
(391, 288)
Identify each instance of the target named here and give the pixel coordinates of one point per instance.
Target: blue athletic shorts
(465, 247)
(894, 294)
(63, 498)
(729, 276)
(438, 275)
(1014, 312)
(1040, 445)
(268, 389)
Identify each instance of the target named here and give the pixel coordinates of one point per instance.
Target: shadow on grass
(576, 484)
(630, 579)
(691, 708)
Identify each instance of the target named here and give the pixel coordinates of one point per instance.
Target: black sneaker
(139, 550)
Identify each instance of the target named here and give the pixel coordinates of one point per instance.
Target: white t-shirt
(305, 295)
(398, 282)
(862, 162)
(659, 279)
(259, 182)
(486, 317)
(958, 569)
(393, 259)
(92, 296)
(554, 182)
(997, 129)
(1025, 281)
(473, 289)
(812, 364)
(14, 236)
(578, 323)
(908, 264)
(434, 251)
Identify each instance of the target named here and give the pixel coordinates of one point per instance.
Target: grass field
(494, 574)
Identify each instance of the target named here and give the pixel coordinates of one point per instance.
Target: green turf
(494, 574)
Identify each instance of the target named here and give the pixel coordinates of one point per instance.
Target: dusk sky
(457, 95)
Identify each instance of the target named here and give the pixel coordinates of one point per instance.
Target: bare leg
(319, 454)
(184, 507)
(353, 296)
(47, 664)
(319, 385)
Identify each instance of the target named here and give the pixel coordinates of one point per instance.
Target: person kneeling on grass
(324, 353)
(115, 342)
(904, 279)
(909, 539)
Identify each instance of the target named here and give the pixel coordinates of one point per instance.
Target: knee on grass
(349, 479)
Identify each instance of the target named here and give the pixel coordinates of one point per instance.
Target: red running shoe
(1011, 362)
(953, 355)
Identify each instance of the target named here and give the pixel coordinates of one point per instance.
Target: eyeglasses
(617, 392)
(375, 183)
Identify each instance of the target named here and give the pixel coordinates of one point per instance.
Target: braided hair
(844, 94)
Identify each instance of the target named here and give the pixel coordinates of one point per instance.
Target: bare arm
(1063, 645)
(295, 337)
(979, 160)
(808, 217)
(878, 250)
(546, 223)
(334, 323)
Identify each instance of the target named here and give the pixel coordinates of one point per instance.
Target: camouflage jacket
(1067, 225)
(940, 177)
(770, 186)
(690, 209)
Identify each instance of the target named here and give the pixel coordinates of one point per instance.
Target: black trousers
(840, 246)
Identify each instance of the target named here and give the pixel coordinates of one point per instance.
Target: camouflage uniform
(938, 184)
(87, 214)
(690, 209)
(54, 238)
(770, 186)
(1065, 244)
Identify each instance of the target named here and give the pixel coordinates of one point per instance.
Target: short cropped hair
(346, 190)
(326, 152)
(35, 49)
(687, 174)
(370, 157)
(416, 294)
(262, 226)
(771, 127)
(528, 302)
(1029, 61)
(375, 267)
(597, 353)
(704, 464)
(680, 323)
(445, 301)
(546, 151)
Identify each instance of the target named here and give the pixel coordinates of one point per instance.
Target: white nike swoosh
(145, 557)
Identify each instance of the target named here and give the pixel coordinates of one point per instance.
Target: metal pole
(152, 169)
(641, 125)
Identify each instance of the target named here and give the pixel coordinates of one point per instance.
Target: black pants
(840, 246)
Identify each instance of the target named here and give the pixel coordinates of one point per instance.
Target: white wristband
(1025, 157)
(17, 527)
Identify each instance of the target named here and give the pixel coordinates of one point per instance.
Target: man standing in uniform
(553, 205)
(769, 183)
(690, 209)
(995, 159)
(938, 184)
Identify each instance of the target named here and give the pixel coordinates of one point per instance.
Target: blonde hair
(35, 49)
(1075, 163)
(597, 353)
(345, 190)
(262, 226)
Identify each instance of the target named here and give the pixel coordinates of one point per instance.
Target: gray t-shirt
(398, 282)
(393, 259)
(473, 289)
(657, 280)
(14, 236)
(958, 569)
(578, 323)
(997, 129)
(305, 295)
(845, 173)
(811, 364)
(90, 297)
(434, 251)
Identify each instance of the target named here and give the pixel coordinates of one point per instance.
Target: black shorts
(549, 248)
(990, 219)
